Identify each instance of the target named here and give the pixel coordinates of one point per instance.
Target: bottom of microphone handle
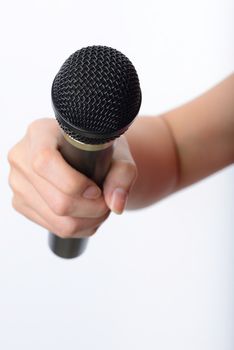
(67, 248)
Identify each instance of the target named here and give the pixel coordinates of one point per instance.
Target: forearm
(154, 152)
(204, 133)
(183, 146)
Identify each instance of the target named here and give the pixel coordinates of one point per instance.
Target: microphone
(96, 95)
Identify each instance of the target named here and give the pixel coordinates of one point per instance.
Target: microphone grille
(96, 94)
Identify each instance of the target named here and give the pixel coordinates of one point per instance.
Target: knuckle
(102, 210)
(76, 184)
(13, 183)
(131, 169)
(127, 170)
(15, 204)
(72, 186)
(32, 127)
(69, 228)
(61, 205)
(11, 156)
(41, 160)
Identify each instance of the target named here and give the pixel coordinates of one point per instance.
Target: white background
(159, 278)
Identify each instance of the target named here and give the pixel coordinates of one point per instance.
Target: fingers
(120, 178)
(48, 163)
(59, 202)
(50, 192)
(29, 203)
(33, 216)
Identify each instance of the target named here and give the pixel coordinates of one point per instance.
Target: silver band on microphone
(85, 146)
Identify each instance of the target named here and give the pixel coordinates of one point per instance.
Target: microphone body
(92, 161)
(95, 95)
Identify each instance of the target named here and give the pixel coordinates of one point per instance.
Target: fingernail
(118, 200)
(92, 192)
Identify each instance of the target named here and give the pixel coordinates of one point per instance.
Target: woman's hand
(51, 193)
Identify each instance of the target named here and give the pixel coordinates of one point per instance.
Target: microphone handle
(94, 162)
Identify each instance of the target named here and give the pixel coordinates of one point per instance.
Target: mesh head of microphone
(96, 94)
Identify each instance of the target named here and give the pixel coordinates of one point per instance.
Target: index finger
(48, 163)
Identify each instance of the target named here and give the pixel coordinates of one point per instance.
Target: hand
(51, 193)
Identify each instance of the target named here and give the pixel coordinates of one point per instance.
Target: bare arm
(184, 145)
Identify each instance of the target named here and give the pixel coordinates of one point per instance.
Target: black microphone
(95, 95)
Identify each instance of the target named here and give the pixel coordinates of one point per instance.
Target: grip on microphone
(92, 161)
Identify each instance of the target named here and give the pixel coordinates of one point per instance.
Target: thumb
(120, 178)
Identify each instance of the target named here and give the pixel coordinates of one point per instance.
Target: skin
(157, 156)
